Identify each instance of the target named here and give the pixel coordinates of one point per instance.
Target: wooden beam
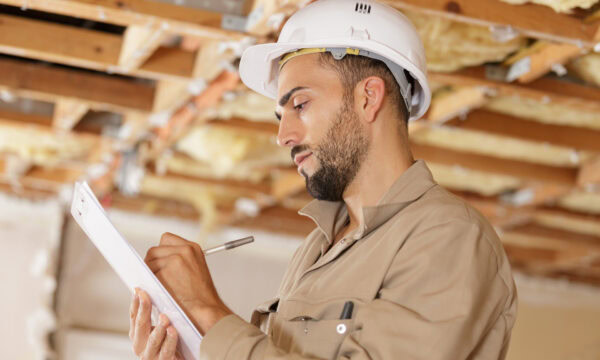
(493, 165)
(170, 94)
(42, 123)
(260, 127)
(46, 179)
(210, 59)
(531, 20)
(90, 49)
(553, 217)
(178, 19)
(139, 43)
(67, 113)
(101, 92)
(589, 174)
(506, 125)
(287, 183)
(535, 63)
(456, 102)
(544, 89)
(572, 245)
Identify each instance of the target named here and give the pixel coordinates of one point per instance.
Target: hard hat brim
(259, 67)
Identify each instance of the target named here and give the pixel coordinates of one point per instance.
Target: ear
(371, 92)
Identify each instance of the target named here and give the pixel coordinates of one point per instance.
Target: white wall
(29, 239)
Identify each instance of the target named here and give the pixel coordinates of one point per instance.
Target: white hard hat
(343, 26)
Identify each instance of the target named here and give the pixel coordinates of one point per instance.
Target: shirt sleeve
(442, 299)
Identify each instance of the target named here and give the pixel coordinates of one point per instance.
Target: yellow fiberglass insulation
(451, 45)
(562, 6)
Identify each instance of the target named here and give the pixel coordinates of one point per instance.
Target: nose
(290, 131)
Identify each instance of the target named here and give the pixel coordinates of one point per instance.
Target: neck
(377, 174)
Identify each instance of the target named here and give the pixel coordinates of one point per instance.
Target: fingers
(167, 352)
(161, 251)
(172, 239)
(158, 264)
(153, 347)
(133, 309)
(142, 323)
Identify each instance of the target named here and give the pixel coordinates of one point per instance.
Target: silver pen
(229, 245)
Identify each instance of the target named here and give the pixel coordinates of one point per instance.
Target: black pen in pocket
(347, 310)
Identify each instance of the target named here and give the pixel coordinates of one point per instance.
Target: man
(397, 267)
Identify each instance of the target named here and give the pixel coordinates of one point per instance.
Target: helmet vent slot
(362, 8)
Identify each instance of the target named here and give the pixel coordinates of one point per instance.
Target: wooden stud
(260, 127)
(170, 95)
(544, 57)
(177, 19)
(89, 49)
(139, 43)
(67, 113)
(209, 60)
(287, 183)
(457, 102)
(493, 165)
(589, 174)
(100, 92)
(543, 89)
(506, 125)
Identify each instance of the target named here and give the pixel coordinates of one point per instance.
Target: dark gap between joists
(62, 19)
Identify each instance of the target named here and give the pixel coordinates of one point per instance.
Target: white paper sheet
(130, 267)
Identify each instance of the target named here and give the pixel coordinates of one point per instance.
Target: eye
(300, 106)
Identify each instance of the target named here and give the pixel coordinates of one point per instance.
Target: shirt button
(341, 328)
(343, 241)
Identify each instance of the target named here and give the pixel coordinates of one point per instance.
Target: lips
(298, 159)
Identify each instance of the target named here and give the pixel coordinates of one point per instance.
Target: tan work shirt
(427, 274)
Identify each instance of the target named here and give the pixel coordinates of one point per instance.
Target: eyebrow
(285, 98)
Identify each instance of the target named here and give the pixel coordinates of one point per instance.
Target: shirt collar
(329, 216)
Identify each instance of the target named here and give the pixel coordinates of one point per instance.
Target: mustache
(297, 149)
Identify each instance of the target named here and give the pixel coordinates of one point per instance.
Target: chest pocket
(313, 330)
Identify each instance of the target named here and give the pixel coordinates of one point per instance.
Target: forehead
(306, 71)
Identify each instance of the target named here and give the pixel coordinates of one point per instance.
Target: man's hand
(181, 267)
(159, 343)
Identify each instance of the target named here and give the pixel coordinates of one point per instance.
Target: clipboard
(131, 268)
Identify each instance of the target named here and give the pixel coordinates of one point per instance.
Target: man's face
(319, 123)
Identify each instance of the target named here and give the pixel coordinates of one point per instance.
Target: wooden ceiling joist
(494, 165)
(506, 125)
(41, 123)
(531, 20)
(67, 113)
(101, 92)
(177, 19)
(94, 50)
(543, 89)
(47, 179)
(540, 58)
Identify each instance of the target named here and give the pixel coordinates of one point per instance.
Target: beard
(340, 154)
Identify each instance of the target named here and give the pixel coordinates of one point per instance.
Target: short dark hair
(354, 68)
